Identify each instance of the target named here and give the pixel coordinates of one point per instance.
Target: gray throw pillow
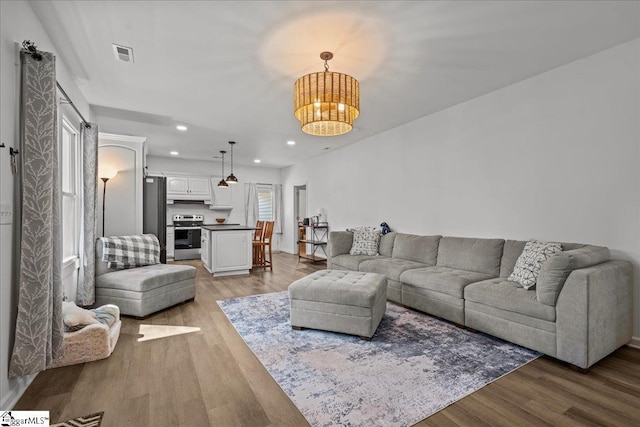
(530, 261)
(365, 241)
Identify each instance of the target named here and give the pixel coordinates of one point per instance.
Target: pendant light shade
(222, 183)
(326, 103)
(231, 179)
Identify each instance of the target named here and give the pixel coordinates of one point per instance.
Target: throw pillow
(365, 241)
(75, 318)
(529, 262)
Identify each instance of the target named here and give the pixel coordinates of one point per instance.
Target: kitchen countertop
(227, 227)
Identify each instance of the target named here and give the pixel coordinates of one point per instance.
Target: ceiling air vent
(123, 53)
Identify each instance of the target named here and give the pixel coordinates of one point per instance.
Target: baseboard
(20, 385)
(635, 342)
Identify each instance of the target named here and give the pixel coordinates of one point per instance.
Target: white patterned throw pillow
(528, 264)
(365, 241)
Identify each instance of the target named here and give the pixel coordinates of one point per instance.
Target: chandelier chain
(326, 65)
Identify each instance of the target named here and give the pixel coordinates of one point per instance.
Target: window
(69, 169)
(265, 202)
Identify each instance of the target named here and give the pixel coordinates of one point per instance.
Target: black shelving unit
(316, 237)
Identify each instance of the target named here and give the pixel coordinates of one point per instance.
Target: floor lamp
(105, 175)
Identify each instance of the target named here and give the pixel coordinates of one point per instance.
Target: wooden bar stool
(262, 245)
(257, 238)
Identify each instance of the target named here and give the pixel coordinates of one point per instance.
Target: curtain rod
(31, 49)
(67, 99)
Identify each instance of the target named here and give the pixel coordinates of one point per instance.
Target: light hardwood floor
(210, 377)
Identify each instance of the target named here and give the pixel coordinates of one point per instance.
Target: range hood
(188, 202)
(183, 201)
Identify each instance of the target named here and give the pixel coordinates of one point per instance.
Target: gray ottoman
(349, 302)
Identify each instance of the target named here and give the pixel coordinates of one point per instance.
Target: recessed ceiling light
(181, 127)
(291, 142)
(174, 153)
(257, 161)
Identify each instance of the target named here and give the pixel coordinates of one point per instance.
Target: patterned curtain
(277, 212)
(251, 211)
(86, 294)
(38, 337)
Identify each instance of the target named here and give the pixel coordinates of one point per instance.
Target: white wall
(123, 198)
(17, 23)
(555, 157)
(245, 174)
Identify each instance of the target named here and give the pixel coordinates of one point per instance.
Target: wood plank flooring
(211, 377)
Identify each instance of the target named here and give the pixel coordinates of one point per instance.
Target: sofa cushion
(510, 296)
(142, 279)
(555, 270)
(390, 267)
(530, 260)
(479, 255)
(386, 244)
(442, 279)
(350, 262)
(510, 254)
(422, 249)
(339, 242)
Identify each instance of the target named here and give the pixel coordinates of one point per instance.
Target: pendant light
(222, 183)
(231, 179)
(326, 102)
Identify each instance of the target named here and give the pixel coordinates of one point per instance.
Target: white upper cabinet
(188, 188)
(199, 186)
(177, 185)
(221, 197)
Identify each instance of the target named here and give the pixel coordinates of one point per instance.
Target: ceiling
(226, 69)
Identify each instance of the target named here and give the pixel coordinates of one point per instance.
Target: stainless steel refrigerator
(154, 219)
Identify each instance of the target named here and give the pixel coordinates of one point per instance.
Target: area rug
(93, 420)
(414, 365)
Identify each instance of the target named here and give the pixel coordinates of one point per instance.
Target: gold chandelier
(326, 103)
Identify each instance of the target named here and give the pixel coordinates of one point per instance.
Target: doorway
(299, 213)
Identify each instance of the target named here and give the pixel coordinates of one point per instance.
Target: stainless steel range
(187, 236)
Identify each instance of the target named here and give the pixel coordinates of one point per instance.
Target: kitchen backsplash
(185, 209)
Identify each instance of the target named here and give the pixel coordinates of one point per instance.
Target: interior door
(299, 213)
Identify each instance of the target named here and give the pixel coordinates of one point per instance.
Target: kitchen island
(227, 249)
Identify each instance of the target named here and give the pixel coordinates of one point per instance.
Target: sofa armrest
(339, 244)
(594, 313)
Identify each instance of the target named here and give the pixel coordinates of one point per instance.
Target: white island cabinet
(227, 249)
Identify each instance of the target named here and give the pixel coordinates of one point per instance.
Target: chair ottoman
(349, 302)
(141, 291)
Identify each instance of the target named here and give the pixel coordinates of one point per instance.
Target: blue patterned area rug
(414, 366)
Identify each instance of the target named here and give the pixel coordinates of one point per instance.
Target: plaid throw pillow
(365, 241)
(130, 251)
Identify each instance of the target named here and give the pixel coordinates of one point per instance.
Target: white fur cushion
(75, 317)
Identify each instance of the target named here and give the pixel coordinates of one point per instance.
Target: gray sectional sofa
(579, 311)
